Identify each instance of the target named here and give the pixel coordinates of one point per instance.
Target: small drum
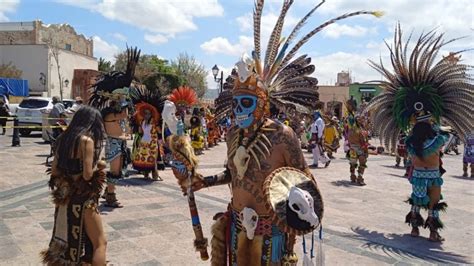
(277, 187)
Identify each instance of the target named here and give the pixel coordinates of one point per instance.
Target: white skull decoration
(241, 161)
(249, 220)
(244, 67)
(301, 202)
(169, 116)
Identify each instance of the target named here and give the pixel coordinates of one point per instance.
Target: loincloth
(69, 243)
(356, 151)
(114, 148)
(268, 246)
(421, 180)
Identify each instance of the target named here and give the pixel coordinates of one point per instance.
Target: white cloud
(221, 45)
(453, 17)
(104, 49)
(164, 17)
(7, 6)
(336, 30)
(156, 38)
(328, 66)
(119, 37)
(87, 4)
(245, 23)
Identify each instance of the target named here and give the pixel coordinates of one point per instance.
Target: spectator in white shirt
(317, 129)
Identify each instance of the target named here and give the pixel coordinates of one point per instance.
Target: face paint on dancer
(244, 107)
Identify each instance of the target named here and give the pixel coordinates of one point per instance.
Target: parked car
(31, 110)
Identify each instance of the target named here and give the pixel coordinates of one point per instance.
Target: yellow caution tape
(34, 127)
(35, 117)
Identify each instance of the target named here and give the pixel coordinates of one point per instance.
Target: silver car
(31, 110)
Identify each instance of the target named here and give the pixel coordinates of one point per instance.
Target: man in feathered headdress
(417, 94)
(274, 195)
(356, 136)
(110, 94)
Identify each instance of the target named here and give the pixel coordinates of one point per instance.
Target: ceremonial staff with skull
(183, 165)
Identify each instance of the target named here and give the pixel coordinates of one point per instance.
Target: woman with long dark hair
(76, 180)
(424, 146)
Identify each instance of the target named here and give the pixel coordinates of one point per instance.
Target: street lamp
(215, 71)
(66, 83)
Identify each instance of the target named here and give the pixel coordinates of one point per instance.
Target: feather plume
(445, 89)
(308, 36)
(257, 16)
(101, 92)
(183, 96)
(274, 41)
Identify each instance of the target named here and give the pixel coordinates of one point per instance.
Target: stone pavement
(362, 225)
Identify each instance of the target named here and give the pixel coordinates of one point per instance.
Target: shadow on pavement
(343, 183)
(395, 175)
(135, 181)
(406, 246)
(462, 177)
(393, 167)
(31, 136)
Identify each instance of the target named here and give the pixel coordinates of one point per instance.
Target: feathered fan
(420, 85)
(110, 83)
(140, 93)
(183, 96)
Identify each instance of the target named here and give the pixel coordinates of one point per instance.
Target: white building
(24, 44)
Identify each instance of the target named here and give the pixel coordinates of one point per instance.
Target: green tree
(10, 71)
(192, 72)
(105, 66)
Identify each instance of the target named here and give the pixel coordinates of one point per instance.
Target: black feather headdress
(114, 85)
(422, 86)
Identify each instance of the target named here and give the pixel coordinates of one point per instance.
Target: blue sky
(219, 31)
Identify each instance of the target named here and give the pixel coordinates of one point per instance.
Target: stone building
(333, 98)
(343, 78)
(83, 80)
(30, 46)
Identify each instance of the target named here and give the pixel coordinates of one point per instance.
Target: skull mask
(302, 203)
(169, 117)
(244, 107)
(249, 220)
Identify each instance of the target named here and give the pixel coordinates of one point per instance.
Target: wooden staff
(200, 242)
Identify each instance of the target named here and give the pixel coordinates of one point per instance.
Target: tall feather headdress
(420, 86)
(114, 85)
(284, 80)
(143, 99)
(183, 96)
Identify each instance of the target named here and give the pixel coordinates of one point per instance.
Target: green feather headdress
(422, 85)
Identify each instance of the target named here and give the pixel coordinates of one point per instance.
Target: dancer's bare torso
(431, 161)
(355, 136)
(112, 124)
(285, 151)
